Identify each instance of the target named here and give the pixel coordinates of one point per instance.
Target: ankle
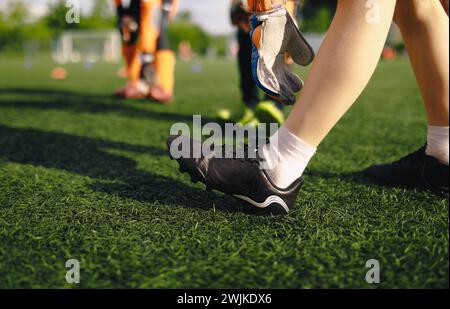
(438, 143)
(286, 157)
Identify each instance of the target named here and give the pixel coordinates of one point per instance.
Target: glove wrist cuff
(265, 6)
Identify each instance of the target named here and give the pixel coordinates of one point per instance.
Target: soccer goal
(87, 47)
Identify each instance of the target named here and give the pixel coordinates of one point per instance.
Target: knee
(344, 7)
(413, 11)
(129, 30)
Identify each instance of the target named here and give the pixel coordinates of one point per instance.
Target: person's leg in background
(162, 87)
(425, 29)
(267, 111)
(149, 29)
(239, 16)
(129, 28)
(270, 111)
(249, 91)
(133, 64)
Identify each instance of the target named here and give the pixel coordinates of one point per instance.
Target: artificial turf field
(85, 176)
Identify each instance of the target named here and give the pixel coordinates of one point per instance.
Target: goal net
(87, 47)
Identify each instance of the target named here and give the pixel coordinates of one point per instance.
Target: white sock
(437, 143)
(286, 157)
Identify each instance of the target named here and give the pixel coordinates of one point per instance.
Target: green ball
(224, 114)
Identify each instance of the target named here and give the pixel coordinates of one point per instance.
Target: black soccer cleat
(415, 170)
(243, 179)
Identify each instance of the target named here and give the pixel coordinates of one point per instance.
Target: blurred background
(31, 27)
(39, 26)
(40, 50)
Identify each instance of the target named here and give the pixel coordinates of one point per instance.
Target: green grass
(85, 176)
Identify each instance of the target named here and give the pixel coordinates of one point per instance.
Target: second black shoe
(241, 178)
(415, 170)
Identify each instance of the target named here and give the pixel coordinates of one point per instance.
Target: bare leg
(132, 61)
(345, 62)
(424, 25)
(342, 69)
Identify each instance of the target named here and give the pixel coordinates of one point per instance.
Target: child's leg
(249, 91)
(129, 27)
(163, 88)
(133, 63)
(149, 26)
(342, 69)
(424, 25)
(165, 60)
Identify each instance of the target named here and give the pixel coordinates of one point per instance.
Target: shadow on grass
(362, 178)
(113, 174)
(49, 99)
(355, 177)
